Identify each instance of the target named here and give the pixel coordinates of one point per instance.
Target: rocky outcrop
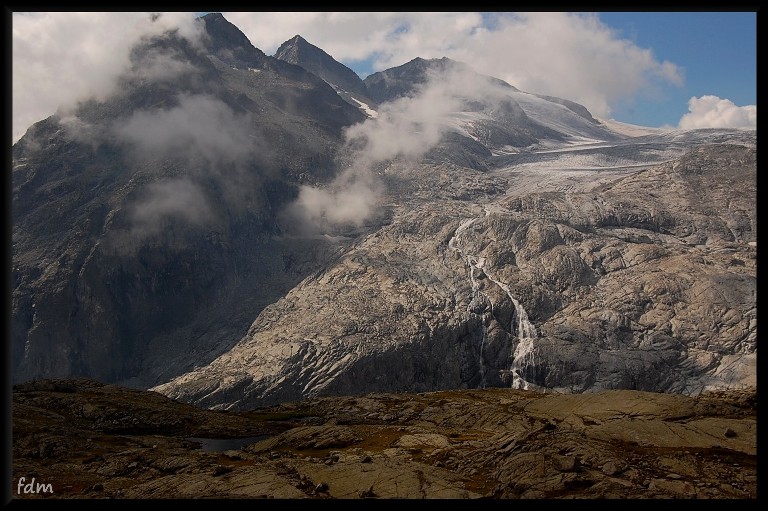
(492, 443)
(639, 284)
(300, 52)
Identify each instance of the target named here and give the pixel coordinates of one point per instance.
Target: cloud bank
(175, 200)
(573, 56)
(713, 112)
(59, 58)
(199, 126)
(406, 128)
(218, 150)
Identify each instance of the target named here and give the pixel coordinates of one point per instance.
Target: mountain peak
(229, 44)
(212, 16)
(402, 80)
(301, 52)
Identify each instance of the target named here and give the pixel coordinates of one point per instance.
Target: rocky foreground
(90, 440)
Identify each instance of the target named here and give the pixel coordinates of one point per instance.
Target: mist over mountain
(145, 229)
(234, 229)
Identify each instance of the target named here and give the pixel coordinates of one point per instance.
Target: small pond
(226, 444)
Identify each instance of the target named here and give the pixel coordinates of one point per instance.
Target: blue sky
(674, 69)
(717, 51)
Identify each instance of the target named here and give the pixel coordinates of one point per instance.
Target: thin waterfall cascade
(477, 295)
(525, 330)
(524, 356)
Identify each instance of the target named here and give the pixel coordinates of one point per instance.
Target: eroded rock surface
(644, 280)
(90, 440)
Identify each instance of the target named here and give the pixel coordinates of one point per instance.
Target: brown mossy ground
(90, 440)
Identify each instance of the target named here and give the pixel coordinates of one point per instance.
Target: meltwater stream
(521, 326)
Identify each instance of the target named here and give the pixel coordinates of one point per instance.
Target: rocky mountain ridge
(573, 291)
(243, 233)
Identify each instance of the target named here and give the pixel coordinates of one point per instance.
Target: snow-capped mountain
(260, 229)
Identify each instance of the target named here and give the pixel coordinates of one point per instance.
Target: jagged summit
(302, 53)
(230, 44)
(238, 229)
(298, 40)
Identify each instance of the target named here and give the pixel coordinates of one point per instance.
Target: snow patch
(370, 112)
(557, 117)
(631, 130)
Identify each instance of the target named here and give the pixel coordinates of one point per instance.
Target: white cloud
(350, 199)
(178, 198)
(198, 126)
(410, 126)
(573, 56)
(405, 128)
(713, 112)
(211, 140)
(344, 35)
(60, 58)
(161, 205)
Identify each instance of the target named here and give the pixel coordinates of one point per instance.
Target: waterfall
(520, 325)
(525, 350)
(525, 332)
(477, 296)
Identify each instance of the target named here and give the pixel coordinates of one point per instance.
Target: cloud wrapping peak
(405, 128)
(60, 58)
(714, 112)
(573, 56)
(410, 126)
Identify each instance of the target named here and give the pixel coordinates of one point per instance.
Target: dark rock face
(229, 44)
(145, 231)
(89, 440)
(298, 51)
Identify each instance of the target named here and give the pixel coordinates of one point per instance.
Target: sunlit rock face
(253, 232)
(638, 283)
